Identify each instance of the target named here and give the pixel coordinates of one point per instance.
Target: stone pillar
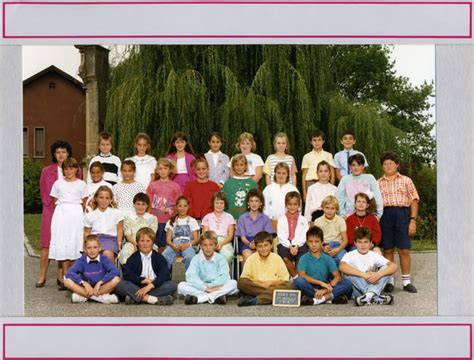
(94, 71)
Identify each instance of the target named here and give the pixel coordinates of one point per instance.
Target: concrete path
(50, 302)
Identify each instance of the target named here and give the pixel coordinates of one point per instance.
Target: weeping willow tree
(258, 89)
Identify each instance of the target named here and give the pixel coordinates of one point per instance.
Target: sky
(417, 62)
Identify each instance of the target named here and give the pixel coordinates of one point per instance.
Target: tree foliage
(264, 89)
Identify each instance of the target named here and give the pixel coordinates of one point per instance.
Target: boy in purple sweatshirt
(92, 276)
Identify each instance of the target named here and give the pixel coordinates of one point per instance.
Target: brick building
(53, 108)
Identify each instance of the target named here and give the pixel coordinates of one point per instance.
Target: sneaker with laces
(76, 298)
(389, 288)
(383, 299)
(165, 300)
(362, 300)
(221, 300)
(190, 300)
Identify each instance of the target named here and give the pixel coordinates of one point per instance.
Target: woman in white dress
(69, 194)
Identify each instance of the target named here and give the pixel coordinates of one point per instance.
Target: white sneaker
(101, 298)
(112, 298)
(76, 298)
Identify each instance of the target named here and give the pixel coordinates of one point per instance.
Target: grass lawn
(33, 221)
(31, 227)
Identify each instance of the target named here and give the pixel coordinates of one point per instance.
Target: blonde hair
(246, 136)
(330, 200)
(208, 235)
(104, 135)
(282, 135)
(94, 203)
(145, 231)
(167, 163)
(90, 238)
(239, 157)
(143, 136)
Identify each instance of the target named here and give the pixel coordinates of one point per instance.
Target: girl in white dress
(145, 163)
(69, 194)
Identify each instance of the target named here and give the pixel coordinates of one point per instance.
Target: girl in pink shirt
(181, 153)
(163, 193)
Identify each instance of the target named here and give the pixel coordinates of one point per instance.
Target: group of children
(146, 212)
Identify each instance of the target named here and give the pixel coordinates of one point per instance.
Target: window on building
(39, 142)
(52, 85)
(25, 141)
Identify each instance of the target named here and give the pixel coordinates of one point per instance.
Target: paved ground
(50, 302)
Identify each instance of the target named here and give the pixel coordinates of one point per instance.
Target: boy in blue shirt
(319, 279)
(341, 159)
(92, 276)
(207, 278)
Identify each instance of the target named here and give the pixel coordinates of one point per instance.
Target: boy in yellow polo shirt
(263, 273)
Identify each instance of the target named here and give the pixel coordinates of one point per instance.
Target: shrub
(31, 190)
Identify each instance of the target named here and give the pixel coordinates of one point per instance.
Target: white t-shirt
(315, 196)
(181, 166)
(69, 192)
(364, 262)
(103, 222)
(91, 189)
(254, 161)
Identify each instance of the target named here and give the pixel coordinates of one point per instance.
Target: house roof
(56, 70)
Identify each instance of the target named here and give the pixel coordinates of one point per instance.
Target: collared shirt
(341, 160)
(332, 228)
(133, 222)
(247, 226)
(311, 161)
(270, 268)
(147, 269)
(88, 259)
(318, 268)
(399, 191)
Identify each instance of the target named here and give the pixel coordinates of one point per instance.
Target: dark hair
(358, 158)
(104, 135)
(180, 135)
(97, 164)
(316, 133)
(292, 195)
(144, 231)
(130, 163)
(141, 197)
(215, 134)
(315, 231)
(60, 144)
(261, 237)
(218, 196)
(363, 233)
(348, 132)
(371, 204)
(390, 155)
(255, 193)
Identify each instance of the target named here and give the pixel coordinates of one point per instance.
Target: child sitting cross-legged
(207, 278)
(92, 276)
(146, 274)
(368, 271)
(263, 273)
(319, 279)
